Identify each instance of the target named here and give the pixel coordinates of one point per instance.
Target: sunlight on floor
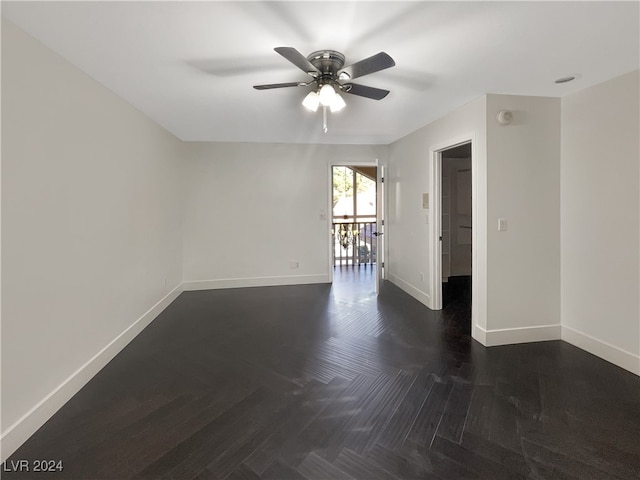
(356, 283)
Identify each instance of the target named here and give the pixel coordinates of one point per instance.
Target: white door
(435, 231)
(445, 222)
(380, 243)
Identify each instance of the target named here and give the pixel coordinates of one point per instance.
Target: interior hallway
(333, 382)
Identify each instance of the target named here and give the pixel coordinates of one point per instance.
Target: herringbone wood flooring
(320, 382)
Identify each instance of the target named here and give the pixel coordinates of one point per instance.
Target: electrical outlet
(294, 264)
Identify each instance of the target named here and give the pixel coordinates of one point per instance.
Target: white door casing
(435, 222)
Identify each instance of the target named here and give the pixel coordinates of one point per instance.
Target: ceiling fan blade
(364, 91)
(372, 64)
(278, 85)
(299, 60)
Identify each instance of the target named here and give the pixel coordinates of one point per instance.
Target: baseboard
(606, 351)
(508, 336)
(416, 293)
(31, 421)
(254, 282)
(479, 334)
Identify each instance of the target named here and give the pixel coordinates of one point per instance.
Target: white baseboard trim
(604, 350)
(508, 336)
(416, 293)
(479, 334)
(23, 428)
(254, 282)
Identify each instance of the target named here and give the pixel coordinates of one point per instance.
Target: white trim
(435, 209)
(329, 217)
(479, 334)
(623, 359)
(422, 297)
(435, 213)
(508, 336)
(435, 228)
(25, 426)
(219, 283)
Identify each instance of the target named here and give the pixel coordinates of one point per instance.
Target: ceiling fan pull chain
(324, 119)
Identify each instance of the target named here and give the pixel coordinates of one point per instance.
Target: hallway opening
(456, 224)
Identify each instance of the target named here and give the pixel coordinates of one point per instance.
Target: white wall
(600, 220)
(254, 208)
(91, 229)
(408, 179)
(516, 294)
(523, 162)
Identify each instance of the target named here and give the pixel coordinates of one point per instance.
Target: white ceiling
(191, 66)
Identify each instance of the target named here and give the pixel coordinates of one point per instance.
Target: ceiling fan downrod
(324, 119)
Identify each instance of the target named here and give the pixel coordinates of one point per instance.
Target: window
(354, 194)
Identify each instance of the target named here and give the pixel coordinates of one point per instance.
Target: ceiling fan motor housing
(328, 62)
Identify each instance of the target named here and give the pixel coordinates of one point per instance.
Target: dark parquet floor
(323, 382)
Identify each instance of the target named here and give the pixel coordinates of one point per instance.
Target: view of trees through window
(354, 196)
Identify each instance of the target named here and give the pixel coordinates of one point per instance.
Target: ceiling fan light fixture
(326, 95)
(311, 101)
(337, 103)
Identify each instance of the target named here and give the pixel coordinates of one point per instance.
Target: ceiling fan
(326, 67)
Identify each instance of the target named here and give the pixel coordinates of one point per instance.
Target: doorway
(456, 224)
(452, 248)
(354, 232)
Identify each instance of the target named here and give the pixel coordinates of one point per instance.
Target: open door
(380, 244)
(435, 232)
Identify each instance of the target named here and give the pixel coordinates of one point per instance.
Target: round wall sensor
(504, 117)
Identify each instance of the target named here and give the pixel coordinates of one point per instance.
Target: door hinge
(382, 264)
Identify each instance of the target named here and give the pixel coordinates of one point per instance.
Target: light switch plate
(425, 200)
(502, 224)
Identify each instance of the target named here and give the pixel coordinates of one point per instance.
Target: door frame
(435, 222)
(375, 163)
